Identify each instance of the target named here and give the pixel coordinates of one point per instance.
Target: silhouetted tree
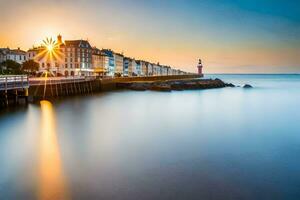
(30, 66)
(10, 67)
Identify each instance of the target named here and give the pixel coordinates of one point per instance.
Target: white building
(138, 68)
(149, 69)
(109, 61)
(156, 69)
(69, 58)
(144, 68)
(119, 64)
(16, 55)
(48, 62)
(98, 62)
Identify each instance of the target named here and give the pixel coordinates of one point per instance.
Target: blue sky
(239, 36)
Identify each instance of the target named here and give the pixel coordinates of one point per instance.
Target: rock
(229, 85)
(177, 86)
(139, 86)
(163, 87)
(247, 86)
(193, 84)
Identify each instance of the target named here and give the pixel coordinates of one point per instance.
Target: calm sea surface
(230, 143)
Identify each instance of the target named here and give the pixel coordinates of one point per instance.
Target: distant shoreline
(251, 74)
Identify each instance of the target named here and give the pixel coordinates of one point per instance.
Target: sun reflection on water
(52, 184)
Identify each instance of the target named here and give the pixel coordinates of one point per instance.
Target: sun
(50, 47)
(51, 51)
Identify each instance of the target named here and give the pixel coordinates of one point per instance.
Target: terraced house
(119, 64)
(98, 62)
(109, 61)
(78, 57)
(16, 55)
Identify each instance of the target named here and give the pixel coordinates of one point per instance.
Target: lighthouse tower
(200, 66)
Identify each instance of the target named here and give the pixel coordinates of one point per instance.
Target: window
(43, 65)
(66, 59)
(71, 65)
(66, 65)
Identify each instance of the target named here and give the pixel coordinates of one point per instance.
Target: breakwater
(169, 85)
(54, 87)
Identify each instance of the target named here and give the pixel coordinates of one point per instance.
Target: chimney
(59, 39)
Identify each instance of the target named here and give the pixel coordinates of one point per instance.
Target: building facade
(48, 62)
(144, 68)
(109, 61)
(98, 62)
(71, 58)
(119, 64)
(78, 57)
(138, 68)
(149, 69)
(16, 55)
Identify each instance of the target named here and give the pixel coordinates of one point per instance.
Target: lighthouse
(200, 66)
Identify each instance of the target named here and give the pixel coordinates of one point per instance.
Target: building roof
(96, 51)
(127, 58)
(107, 52)
(78, 43)
(17, 51)
(119, 54)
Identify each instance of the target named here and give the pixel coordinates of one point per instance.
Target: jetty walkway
(13, 88)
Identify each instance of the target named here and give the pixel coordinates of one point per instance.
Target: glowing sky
(231, 36)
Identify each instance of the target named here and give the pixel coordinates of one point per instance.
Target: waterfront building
(2, 56)
(69, 58)
(119, 64)
(16, 55)
(144, 68)
(156, 69)
(138, 68)
(53, 64)
(131, 67)
(149, 69)
(109, 61)
(126, 63)
(78, 57)
(169, 70)
(98, 62)
(164, 70)
(133, 71)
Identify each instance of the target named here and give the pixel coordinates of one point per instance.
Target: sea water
(230, 143)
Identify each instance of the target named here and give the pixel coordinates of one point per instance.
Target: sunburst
(50, 51)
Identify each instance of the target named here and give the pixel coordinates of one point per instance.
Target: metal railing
(10, 82)
(59, 80)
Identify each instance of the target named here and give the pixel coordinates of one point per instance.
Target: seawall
(59, 87)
